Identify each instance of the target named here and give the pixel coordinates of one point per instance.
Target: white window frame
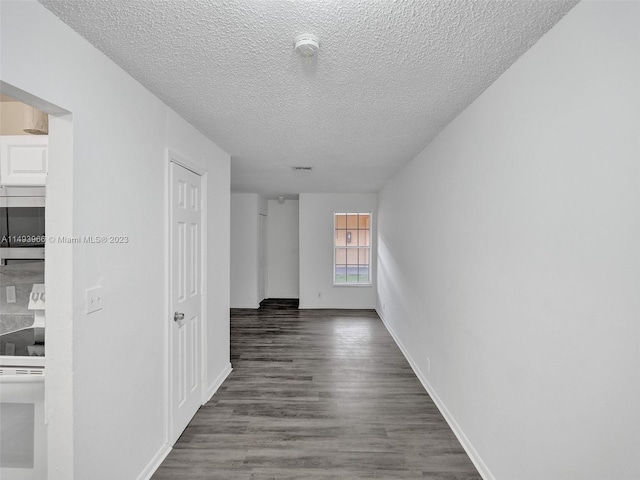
(370, 247)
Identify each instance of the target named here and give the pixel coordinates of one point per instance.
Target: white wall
(283, 265)
(509, 256)
(263, 209)
(244, 250)
(111, 364)
(316, 250)
(263, 205)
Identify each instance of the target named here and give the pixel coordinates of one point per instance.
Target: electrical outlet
(94, 299)
(11, 294)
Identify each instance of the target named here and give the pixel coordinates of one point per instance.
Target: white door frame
(172, 157)
(59, 406)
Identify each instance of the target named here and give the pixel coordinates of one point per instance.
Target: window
(352, 249)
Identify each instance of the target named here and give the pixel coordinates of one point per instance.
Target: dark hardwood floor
(316, 394)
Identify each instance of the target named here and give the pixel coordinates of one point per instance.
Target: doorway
(58, 381)
(187, 237)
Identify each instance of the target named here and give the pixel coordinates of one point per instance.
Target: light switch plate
(94, 299)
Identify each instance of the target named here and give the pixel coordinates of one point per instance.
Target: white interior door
(186, 297)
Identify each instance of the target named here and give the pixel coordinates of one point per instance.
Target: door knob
(178, 316)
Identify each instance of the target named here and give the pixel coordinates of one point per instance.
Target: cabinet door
(23, 160)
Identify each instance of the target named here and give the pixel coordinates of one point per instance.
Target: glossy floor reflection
(317, 394)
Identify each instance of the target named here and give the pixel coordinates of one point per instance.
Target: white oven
(23, 446)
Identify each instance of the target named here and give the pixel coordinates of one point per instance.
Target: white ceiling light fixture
(307, 45)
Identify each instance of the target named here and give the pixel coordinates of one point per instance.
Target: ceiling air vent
(302, 169)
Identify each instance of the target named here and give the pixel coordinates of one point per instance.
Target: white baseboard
(482, 468)
(337, 307)
(252, 306)
(155, 462)
(213, 388)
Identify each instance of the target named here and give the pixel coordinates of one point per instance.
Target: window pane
(352, 221)
(363, 273)
(363, 238)
(341, 220)
(341, 256)
(341, 238)
(363, 256)
(352, 256)
(352, 273)
(363, 221)
(341, 273)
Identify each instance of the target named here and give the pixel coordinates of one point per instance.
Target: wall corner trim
(155, 462)
(213, 388)
(250, 306)
(482, 468)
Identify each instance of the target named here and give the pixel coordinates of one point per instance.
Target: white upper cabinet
(23, 160)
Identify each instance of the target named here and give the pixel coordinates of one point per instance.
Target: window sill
(353, 284)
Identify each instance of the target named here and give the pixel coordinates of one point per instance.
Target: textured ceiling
(390, 74)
